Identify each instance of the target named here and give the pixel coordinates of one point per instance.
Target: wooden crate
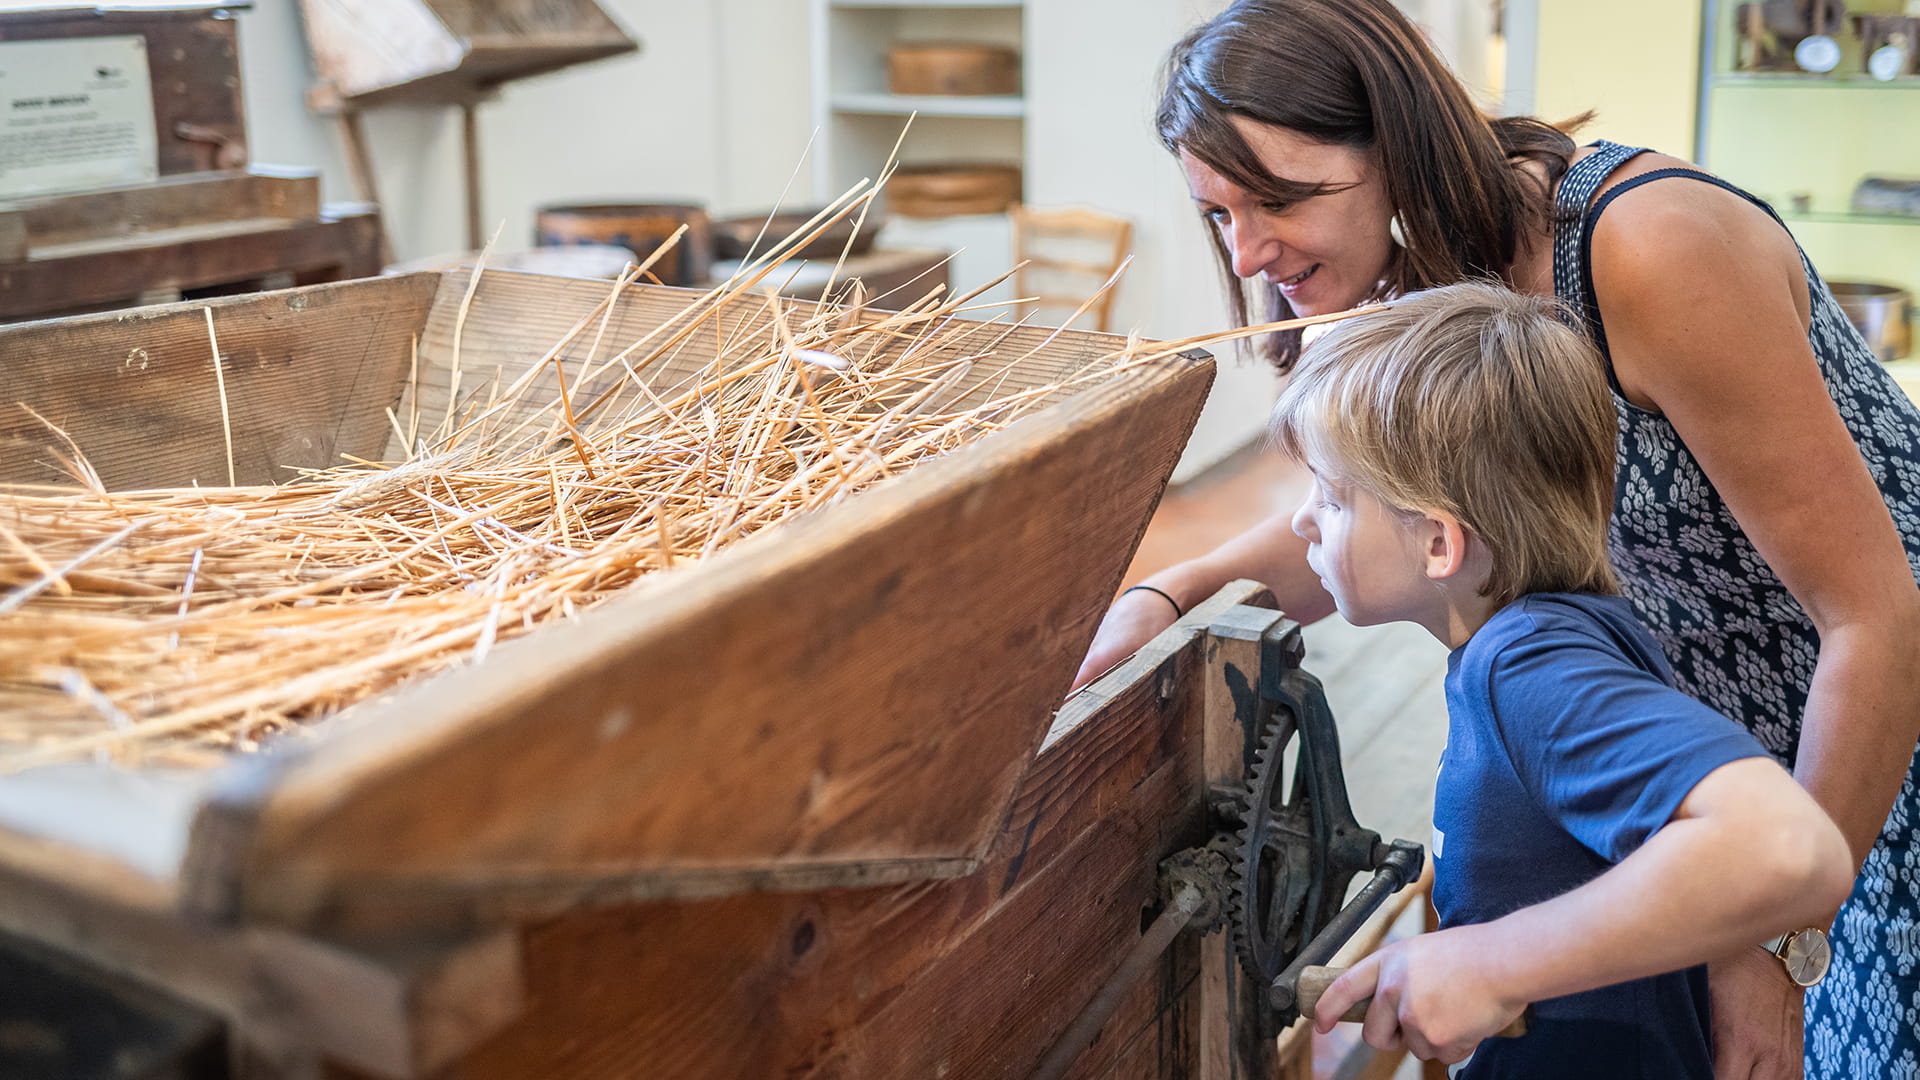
(850, 699)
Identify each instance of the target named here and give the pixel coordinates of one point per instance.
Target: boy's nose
(1303, 523)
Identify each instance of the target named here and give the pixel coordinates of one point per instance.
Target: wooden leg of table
(360, 162)
(470, 138)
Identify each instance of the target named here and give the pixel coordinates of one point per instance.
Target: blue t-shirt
(1567, 747)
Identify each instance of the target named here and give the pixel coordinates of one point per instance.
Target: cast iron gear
(1272, 860)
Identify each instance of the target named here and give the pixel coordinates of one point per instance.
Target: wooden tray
(846, 700)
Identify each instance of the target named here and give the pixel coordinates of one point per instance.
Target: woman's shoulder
(1687, 205)
(1657, 242)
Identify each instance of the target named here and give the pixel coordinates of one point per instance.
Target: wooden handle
(1315, 980)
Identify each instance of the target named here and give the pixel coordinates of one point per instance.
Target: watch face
(1807, 956)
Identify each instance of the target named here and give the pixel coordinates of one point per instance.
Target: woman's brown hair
(1356, 73)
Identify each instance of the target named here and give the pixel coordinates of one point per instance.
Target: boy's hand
(1758, 1018)
(1428, 994)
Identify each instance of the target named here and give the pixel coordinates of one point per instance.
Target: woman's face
(1326, 253)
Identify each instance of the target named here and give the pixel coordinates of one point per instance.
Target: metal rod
(1394, 873)
(1180, 908)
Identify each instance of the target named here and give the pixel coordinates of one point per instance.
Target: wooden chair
(1067, 249)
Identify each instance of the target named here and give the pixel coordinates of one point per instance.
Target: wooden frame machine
(810, 808)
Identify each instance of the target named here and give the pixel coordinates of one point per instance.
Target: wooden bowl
(953, 188)
(952, 67)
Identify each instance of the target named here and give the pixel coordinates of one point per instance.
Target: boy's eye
(1215, 214)
(1276, 207)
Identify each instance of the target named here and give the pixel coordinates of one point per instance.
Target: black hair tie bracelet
(1177, 610)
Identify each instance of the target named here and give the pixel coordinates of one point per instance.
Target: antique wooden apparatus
(811, 807)
(124, 166)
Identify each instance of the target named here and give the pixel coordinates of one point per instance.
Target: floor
(1384, 683)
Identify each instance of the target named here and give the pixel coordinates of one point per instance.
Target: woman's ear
(1446, 546)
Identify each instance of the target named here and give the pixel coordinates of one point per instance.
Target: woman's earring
(1395, 230)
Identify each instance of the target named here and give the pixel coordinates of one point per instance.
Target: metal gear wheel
(1272, 864)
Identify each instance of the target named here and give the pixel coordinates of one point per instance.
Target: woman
(1767, 516)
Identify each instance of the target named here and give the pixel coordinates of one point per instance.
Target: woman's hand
(1758, 1018)
(1428, 997)
(1269, 552)
(1133, 620)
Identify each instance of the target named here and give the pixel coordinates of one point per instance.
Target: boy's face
(1372, 558)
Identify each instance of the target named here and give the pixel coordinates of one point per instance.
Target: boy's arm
(1747, 856)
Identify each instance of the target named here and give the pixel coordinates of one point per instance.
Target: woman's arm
(1268, 553)
(1705, 304)
(1747, 856)
(1703, 298)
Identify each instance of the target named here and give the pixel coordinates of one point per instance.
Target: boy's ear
(1446, 546)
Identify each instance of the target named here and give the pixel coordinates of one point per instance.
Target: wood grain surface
(309, 373)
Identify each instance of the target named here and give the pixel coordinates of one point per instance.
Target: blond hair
(1475, 401)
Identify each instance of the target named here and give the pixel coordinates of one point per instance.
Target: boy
(1598, 835)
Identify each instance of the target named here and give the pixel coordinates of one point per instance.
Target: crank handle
(1315, 980)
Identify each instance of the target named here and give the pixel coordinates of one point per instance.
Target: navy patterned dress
(1741, 643)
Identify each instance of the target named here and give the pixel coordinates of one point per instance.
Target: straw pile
(178, 626)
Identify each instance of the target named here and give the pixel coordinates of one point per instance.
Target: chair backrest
(1068, 253)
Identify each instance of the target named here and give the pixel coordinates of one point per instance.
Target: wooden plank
(396, 1009)
(308, 374)
(444, 51)
(966, 977)
(1230, 1005)
(171, 203)
(777, 716)
(344, 247)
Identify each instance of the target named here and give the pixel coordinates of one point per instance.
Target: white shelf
(982, 107)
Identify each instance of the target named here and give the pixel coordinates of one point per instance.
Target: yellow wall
(1636, 62)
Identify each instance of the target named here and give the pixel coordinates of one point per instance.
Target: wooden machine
(810, 807)
(123, 167)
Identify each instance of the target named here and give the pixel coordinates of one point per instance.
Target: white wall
(715, 108)
(1090, 100)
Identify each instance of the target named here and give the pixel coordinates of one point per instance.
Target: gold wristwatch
(1804, 953)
